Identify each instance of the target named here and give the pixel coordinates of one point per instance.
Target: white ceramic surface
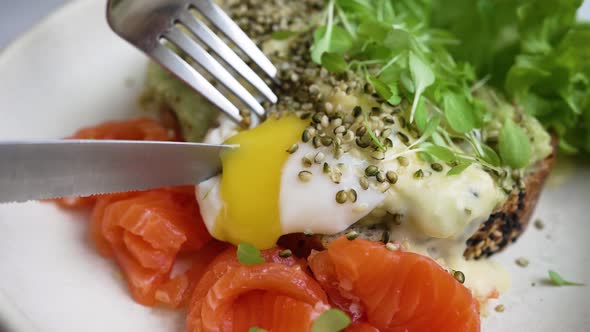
(71, 71)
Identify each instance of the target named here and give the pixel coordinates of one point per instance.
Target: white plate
(71, 71)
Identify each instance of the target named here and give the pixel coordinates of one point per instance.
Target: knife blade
(31, 170)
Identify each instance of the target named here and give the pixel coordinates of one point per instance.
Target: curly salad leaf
(432, 52)
(535, 51)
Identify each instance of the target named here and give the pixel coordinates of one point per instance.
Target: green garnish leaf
(256, 329)
(459, 113)
(514, 145)
(558, 280)
(388, 92)
(429, 131)
(322, 37)
(373, 136)
(459, 168)
(249, 254)
(333, 320)
(431, 126)
(421, 116)
(382, 89)
(440, 152)
(425, 157)
(490, 156)
(334, 62)
(373, 30)
(399, 39)
(283, 34)
(330, 38)
(534, 51)
(340, 40)
(423, 77)
(438, 139)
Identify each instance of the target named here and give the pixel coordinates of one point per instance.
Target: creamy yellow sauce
(483, 277)
(438, 205)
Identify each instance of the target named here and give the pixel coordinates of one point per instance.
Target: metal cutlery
(157, 27)
(32, 170)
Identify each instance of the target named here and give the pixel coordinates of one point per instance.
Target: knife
(31, 170)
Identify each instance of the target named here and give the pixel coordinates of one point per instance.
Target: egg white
(311, 206)
(303, 206)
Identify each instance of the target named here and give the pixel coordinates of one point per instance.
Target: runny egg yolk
(251, 179)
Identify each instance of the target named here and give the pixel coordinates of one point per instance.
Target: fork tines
(188, 44)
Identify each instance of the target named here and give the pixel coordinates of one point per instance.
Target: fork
(154, 25)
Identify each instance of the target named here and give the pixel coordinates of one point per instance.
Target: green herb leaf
(440, 152)
(373, 136)
(256, 329)
(423, 77)
(459, 168)
(320, 46)
(382, 89)
(333, 320)
(388, 92)
(533, 50)
(373, 30)
(398, 40)
(490, 156)
(421, 116)
(431, 126)
(459, 114)
(438, 139)
(283, 34)
(334, 62)
(430, 130)
(514, 145)
(426, 157)
(340, 41)
(558, 280)
(331, 39)
(323, 36)
(249, 254)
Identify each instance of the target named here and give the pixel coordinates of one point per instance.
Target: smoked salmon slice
(274, 277)
(96, 220)
(145, 232)
(138, 129)
(224, 296)
(393, 290)
(272, 312)
(176, 292)
(359, 326)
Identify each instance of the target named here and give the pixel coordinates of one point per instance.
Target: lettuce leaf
(533, 50)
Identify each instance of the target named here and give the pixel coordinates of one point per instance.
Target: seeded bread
(502, 228)
(506, 225)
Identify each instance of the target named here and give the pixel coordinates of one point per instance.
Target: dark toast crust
(506, 225)
(501, 229)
